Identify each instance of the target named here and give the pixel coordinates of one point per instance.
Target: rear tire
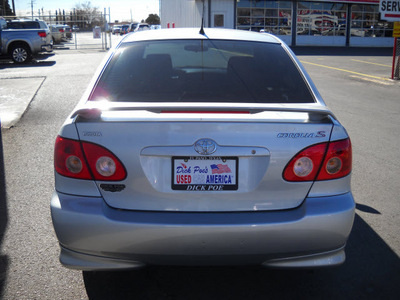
(20, 54)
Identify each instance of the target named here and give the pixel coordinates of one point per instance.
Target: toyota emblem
(205, 146)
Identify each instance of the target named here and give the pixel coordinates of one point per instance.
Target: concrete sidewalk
(15, 96)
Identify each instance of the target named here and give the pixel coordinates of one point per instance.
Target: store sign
(390, 10)
(350, 1)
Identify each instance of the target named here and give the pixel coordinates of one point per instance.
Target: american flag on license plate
(220, 168)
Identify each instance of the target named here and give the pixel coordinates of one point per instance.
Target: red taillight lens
(305, 165)
(69, 160)
(203, 112)
(42, 34)
(81, 160)
(104, 165)
(338, 161)
(320, 162)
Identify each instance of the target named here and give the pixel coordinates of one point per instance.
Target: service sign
(390, 10)
(205, 173)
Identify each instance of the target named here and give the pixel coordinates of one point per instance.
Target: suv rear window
(23, 25)
(202, 71)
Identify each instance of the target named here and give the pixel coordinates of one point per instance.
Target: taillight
(83, 160)
(69, 160)
(42, 34)
(338, 161)
(104, 165)
(325, 161)
(305, 165)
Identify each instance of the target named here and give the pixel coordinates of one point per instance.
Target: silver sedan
(202, 148)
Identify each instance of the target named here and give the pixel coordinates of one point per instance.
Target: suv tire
(20, 53)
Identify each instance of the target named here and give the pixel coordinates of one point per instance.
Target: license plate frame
(205, 173)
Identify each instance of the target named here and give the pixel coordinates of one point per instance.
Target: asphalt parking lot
(354, 82)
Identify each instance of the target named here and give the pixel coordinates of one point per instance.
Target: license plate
(205, 173)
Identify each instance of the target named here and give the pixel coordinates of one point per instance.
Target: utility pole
(105, 28)
(32, 2)
(109, 21)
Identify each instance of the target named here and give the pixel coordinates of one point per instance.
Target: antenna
(202, 21)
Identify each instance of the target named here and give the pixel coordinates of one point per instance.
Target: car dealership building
(314, 23)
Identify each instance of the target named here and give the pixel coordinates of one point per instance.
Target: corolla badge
(205, 146)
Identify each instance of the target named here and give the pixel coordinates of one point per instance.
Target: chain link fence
(85, 31)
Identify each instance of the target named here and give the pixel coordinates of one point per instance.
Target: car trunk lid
(159, 153)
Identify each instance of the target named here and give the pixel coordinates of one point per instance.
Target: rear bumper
(94, 236)
(47, 48)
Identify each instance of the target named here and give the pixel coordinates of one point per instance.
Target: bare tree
(87, 12)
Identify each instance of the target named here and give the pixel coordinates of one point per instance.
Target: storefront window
(318, 22)
(365, 22)
(264, 16)
(321, 19)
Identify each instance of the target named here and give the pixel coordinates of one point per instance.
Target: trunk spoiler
(93, 110)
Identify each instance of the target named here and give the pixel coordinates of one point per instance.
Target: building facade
(322, 22)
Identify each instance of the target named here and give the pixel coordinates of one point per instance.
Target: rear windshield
(202, 71)
(23, 25)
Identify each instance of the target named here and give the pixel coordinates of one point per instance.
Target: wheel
(20, 54)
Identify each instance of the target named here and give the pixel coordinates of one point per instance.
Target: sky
(120, 9)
